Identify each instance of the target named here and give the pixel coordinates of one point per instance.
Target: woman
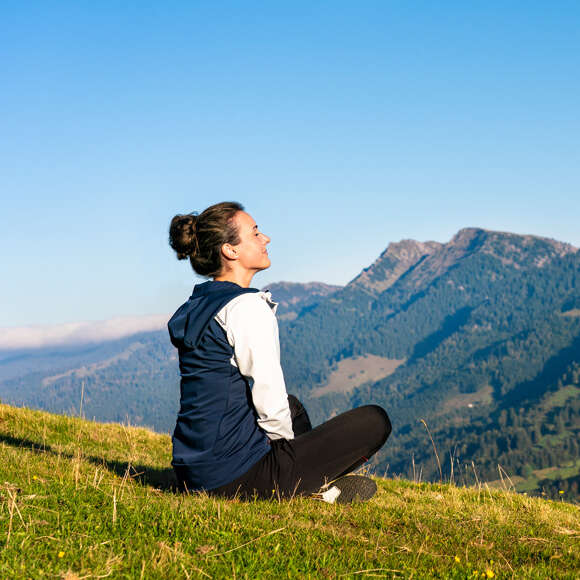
(238, 433)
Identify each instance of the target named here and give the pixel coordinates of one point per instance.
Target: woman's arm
(252, 330)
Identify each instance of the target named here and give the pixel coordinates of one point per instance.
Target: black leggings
(304, 464)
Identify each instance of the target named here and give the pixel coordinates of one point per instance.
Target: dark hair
(201, 237)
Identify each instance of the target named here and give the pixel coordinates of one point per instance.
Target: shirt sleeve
(252, 330)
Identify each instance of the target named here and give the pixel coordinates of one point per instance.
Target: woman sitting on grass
(238, 433)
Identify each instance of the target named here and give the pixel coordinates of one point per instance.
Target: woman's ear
(229, 252)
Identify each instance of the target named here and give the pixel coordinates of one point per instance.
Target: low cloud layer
(74, 333)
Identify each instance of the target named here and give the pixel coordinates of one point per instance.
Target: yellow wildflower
(489, 573)
(561, 491)
(35, 477)
(457, 559)
(61, 554)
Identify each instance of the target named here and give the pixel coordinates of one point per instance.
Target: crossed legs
(315, 456)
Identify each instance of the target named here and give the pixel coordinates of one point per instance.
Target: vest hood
(188, 324)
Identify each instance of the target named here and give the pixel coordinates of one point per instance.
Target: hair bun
(200, 237)
(183, 235)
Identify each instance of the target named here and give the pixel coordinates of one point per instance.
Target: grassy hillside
(88, 500)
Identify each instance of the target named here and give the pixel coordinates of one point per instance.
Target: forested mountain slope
(485, 324)
(133, 380)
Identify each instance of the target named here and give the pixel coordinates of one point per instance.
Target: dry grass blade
(248, 543)
(371, 570)
(15, 506)
(196, 569)
(11, 511)
(435, 450)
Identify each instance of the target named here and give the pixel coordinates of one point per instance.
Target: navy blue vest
(216, 438)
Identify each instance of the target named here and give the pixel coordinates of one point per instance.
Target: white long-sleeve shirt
(249, 321)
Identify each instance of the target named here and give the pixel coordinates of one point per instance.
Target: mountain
(479, 338)
(474, 343)
(428, 289)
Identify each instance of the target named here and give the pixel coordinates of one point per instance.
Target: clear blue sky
(341, 126)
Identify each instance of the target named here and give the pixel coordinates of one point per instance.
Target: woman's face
(251, 251)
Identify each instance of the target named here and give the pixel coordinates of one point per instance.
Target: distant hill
(138, 372)
(478, 337)
(294, 298)
(133, 379)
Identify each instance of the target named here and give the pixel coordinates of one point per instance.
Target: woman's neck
(243, 278)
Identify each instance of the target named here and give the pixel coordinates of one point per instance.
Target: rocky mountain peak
(429, 260)
(391, 264)
(511, 249)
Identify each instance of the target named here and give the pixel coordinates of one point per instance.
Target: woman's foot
(348, 489)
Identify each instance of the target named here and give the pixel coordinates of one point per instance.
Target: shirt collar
(268, 298)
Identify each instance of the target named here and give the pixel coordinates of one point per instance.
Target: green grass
(87, 500)
(572, 468)
(561, 396)
(531, 484)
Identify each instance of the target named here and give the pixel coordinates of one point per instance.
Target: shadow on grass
(163, 479)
